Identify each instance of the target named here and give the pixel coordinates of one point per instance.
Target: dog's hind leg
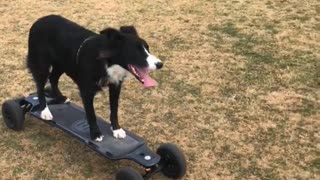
(41, 78)
(40, 72)
(55, 92)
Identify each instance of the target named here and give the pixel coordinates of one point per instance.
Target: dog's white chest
(116, 74)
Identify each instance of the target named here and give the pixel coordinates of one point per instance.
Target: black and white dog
(93, 61)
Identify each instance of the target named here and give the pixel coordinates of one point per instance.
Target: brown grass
(239, 92)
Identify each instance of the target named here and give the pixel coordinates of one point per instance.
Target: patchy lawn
(239, 92)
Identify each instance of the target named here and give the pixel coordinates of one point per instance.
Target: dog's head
(124, 48)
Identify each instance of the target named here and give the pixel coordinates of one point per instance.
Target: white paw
(99, 139)
(46, 114)
(67, 101)
(119, 133)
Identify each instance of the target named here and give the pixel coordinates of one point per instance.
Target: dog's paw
(46, 114)
(99, 138)
(63, 100)
(119, 133)
(67, 101)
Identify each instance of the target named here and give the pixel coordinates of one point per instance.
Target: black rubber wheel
(128, 174)
(13, 115)
(173, 161)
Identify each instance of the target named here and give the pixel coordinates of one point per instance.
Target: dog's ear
(112, 38)
(111, 33)
(129, 30)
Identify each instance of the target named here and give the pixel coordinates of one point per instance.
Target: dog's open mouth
(142, 74)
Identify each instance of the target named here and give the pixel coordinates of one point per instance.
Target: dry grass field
(239, 93)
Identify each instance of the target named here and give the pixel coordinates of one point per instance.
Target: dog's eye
(147, 47)
(140, 47)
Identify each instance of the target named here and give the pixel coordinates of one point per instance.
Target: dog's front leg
(87, 98)
(114, 94)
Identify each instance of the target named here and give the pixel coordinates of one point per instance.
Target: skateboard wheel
(13, 115)
(172, 161)
(128, 174)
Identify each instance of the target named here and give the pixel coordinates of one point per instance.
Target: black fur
(66, 47)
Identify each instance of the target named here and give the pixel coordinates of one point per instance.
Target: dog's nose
(159, 65)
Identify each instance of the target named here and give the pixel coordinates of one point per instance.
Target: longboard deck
(72, 119)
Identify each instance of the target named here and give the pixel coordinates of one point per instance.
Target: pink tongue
(148, 81)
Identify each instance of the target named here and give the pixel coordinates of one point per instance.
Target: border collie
(93, 61)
